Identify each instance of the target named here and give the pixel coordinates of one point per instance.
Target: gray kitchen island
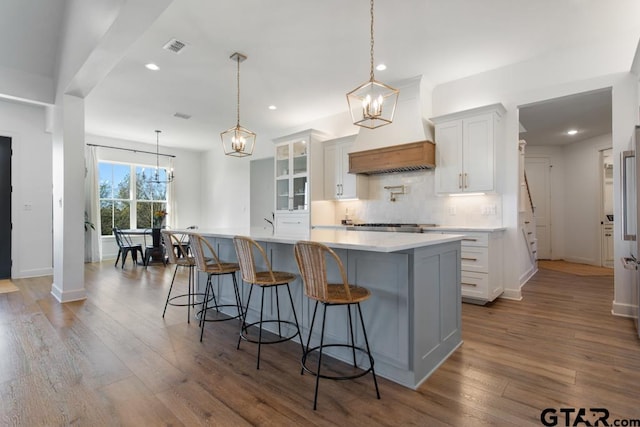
(413, 317)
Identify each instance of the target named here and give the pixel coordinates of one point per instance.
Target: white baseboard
(580, 260)
(38, 272)
(68, 296)
(512, 294)
(528, 275)
(624, 310)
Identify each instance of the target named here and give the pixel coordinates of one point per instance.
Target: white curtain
(171, 208)
(93, 248)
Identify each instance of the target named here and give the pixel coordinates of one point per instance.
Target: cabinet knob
(459, 180)
(466, 179)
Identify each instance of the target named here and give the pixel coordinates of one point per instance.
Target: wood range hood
(396, 158)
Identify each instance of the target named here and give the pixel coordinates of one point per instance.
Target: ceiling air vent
(174, 45)
(182, 116)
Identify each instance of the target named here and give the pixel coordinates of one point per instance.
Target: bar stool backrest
(170, 240)
(311, 259)
(244, 251)
(201, 249)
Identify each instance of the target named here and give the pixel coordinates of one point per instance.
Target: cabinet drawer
(474, 259)
(292, 224)
(475, 285)
(475, 239)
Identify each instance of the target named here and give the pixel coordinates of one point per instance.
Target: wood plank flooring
(113, 360)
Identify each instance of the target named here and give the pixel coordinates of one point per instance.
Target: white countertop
(342, 239)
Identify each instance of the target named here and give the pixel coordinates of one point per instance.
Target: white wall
(31, 176)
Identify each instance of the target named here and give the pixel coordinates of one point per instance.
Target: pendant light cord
(371, 74)
(157, 152)
(238, 92)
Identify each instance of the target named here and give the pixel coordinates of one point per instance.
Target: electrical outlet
(489, 210)
(452, 210)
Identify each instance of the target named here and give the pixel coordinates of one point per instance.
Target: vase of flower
(159, 218)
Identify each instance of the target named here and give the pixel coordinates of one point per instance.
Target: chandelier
(156, 175)
(238, 141)
(372, 104)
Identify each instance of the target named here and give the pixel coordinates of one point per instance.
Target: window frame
(132, 200)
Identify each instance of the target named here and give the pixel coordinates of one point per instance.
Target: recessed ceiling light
(381, 67)
(572, 132)
(272, 107)
(151, 66)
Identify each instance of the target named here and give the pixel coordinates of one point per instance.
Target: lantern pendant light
(238, 141)
(156, 175)
(372, 104)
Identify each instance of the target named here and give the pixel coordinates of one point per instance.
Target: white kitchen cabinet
(466, 150)
(339, 184)
(481, 265)
(298, 179)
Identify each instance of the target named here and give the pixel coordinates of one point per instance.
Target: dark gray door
(5, 207)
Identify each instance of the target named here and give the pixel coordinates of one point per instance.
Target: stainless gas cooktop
(397, 227)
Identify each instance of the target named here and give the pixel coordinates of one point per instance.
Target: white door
(538, 170)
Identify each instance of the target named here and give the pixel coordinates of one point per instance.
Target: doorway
(565, 138)
(5, 207)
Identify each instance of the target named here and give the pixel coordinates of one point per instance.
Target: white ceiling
(303, 55)
(547, 122)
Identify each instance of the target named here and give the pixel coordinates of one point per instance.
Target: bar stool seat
(170, 240)
(312, 262)
(212, 266)
(245, 247)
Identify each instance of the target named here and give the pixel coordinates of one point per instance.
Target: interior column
(68, 200)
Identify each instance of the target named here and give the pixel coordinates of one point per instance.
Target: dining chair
(126, 245)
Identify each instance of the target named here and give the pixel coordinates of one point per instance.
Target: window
(128, 197)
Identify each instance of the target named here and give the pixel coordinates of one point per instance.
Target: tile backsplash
(419, 204)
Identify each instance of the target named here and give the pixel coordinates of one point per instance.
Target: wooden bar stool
(207, 261)
(311, 259)
(245, 247)
(171, 240)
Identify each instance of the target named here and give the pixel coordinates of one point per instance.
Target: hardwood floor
(113, 360)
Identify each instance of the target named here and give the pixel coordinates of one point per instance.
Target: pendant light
(238, 141)
(156, 176)
(372, 104)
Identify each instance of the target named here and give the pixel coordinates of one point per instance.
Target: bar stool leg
(295, 317)
(353, 341)
(243, 326)
(366, 341)
(278, 311)
(324, 318)
(260, 333)
(170, 288)
(203, 318)
(236, 290)
(306, 349)
(189, 296)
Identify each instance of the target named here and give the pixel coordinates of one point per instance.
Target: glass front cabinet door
(291, 170)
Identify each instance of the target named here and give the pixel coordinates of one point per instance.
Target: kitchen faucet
(271, 222)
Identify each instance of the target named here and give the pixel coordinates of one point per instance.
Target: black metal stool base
(366, 350)
(362, 372)
(245, 326)
(211, 296)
